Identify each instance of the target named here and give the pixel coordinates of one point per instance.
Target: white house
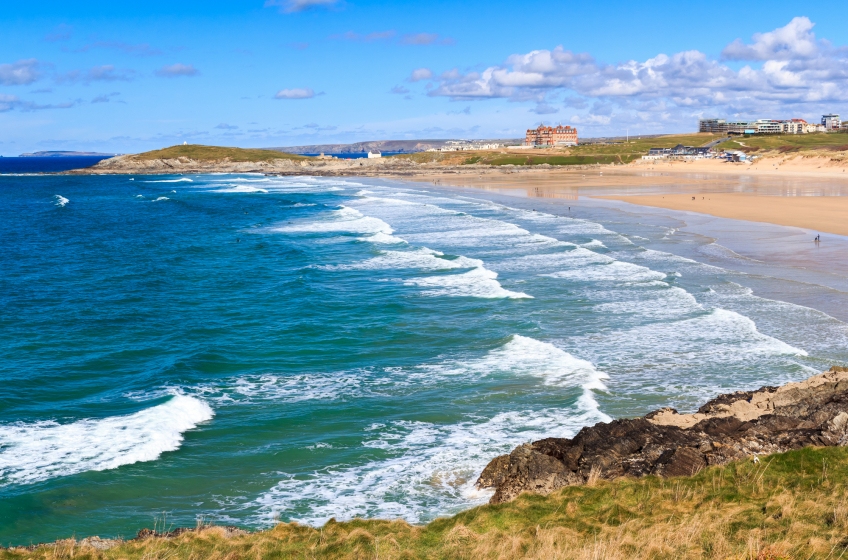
(374, 155)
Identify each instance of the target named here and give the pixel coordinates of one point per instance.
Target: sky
(121, 77)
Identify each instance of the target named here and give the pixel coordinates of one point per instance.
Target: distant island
(67, 154)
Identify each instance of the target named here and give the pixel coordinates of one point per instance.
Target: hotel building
(551, 136)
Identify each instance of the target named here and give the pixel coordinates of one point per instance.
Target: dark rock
(666, 443)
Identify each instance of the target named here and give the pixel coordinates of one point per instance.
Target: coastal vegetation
(788, 144)
(198, 152)
(789, 505)
(618, 152)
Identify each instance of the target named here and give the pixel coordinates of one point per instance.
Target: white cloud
(20, 73)
(792, 41)
(291, 6)
(177, 70)
(421, 74)
(790, 71)
(295, 93)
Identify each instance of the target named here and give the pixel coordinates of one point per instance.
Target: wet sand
(813, 201)
(827, 214)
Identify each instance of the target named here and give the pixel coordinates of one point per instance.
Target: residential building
(767, 126)
(714, 126)
(741, 127)
(374, 155)
(831, 122)
(551, 136)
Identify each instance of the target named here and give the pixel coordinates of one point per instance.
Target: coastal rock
(666, 443)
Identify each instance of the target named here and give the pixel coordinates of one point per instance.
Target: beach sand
(810, 193)
(818, 213)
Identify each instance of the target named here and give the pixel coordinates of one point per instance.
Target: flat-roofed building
(551, 136)
(831, 122)
(767, 126)
(742, 127)
(714, 126)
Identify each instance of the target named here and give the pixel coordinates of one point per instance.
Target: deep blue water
(46, 164)
(247, 348)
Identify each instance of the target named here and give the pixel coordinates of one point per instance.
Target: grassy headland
(791, 505)
(199, 152)
(789, 144)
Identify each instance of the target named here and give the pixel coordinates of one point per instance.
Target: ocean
(247, 349)
(47, 164)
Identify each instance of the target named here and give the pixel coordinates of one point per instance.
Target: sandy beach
(809, 193)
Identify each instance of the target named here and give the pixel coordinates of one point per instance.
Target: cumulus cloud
(177, 70)
(792, 41)
(425, 39)
(790, 69)
(225, 126)
(20, 73)
(421, 74)
(292, 6)
(295, 93)
(399, 90)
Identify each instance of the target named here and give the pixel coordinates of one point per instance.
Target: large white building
(831, 122)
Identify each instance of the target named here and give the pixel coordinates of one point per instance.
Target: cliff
(730, 427)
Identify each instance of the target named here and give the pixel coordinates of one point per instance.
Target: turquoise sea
(246, 349)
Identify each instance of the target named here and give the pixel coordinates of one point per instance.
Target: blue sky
(123, 77)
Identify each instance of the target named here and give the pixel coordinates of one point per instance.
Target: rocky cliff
(730, 427)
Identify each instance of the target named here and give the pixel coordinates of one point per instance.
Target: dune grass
(788, 143)
(199, 152)
(791, 505)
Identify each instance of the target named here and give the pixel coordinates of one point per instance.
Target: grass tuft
(790, 505)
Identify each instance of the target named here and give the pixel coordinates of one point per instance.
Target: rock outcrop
(665, 443)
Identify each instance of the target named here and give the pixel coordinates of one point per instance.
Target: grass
(788, 143)
(583, 154)
(791, 505)
(199, 152)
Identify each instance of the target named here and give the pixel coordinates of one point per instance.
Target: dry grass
(198, 152)
(793, 505)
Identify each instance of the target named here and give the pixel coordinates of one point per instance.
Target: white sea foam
(240, 189)
(430, 469)
(422, 259)
(42, 450)
(479, 282)
(161, 198)
(343, 220)
(616, 271)
(539, 359)
(181, 180)
(60, 200)
(139, 196)
(594, 244)
(384, 239)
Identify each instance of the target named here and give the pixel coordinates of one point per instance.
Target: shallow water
(245, 349)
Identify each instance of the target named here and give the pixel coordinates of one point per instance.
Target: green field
(788, 143)
(198, 152)
(791, 505)
(583, 154)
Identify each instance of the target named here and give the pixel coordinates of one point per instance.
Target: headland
(699, 485)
